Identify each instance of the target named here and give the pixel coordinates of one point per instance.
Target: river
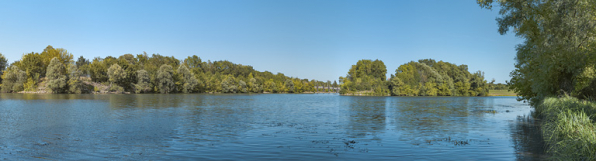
(265, 127)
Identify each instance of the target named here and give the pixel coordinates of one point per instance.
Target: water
(265, 127)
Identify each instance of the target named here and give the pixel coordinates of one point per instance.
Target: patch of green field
(501, 93)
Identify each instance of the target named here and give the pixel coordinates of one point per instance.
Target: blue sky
(306, 39)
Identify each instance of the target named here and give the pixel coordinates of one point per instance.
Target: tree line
(58, 72)
(426, 77)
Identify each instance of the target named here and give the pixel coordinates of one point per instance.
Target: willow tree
(187, 79)
(289, 86)
(13, 79)
(228, 85)
(242, 87)
(142, 85)
(115, 75)
(75, 84)
(165, 81)
(254, 86)
(56, 76)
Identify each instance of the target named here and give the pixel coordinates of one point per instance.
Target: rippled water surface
(265, 127)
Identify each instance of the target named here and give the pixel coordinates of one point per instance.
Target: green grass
(501, 93)
(568, 128)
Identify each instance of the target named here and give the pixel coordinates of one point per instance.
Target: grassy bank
(568, 128)
(501, 93)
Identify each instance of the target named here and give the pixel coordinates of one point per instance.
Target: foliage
(254, 86)
(289, 86)
(13, 80)
(498, 86)
(3, 65)
(242, 87)
(141, 74)
(165, 79)
(423, 78)
(556, 58)
(56, 76)
(33, 64)
(75, 84)
(558, 47)
(187, 80)
(116, 74)
(228, 85)
(63, 56)
(366, 75)
(142, 85)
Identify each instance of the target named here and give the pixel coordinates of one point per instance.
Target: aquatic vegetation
(569, 129)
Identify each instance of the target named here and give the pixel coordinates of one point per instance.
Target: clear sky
(301, 38)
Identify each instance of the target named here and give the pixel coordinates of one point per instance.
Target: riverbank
(372, 93)
(501, 93)
(91, 87)
(568, 128)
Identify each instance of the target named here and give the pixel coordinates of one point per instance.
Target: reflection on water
(366, 116)
(265, 126)
(525, 130)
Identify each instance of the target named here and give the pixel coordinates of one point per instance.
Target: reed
(569, 129)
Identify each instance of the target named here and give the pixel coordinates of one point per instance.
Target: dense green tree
(13, 80)
(3, 65)
(194, 63)
(49, 53)
(253, 86)
(426, 77)
(187, 79)
(98, 70)
(289, 86)
(116, 74)
(130, 66)
(366, 75)
(397, 87)
(298, 85)
(242, 87)
(75, 84)
(558, 47)
(228, 85)
(32, 63)
(83, 65)
(56, 76)
(193, 75)
(165, 79)
(478, 86)
(142, 85)
(270, 86)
